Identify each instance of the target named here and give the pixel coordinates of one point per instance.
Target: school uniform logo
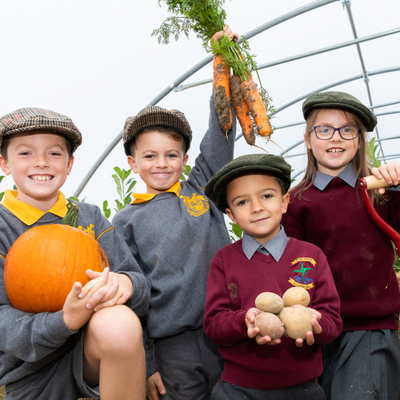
(89, 230)
(300, 279)
(196, 205)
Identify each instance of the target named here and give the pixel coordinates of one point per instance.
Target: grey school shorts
(63, 381)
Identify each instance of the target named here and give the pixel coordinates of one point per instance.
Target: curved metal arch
(291, 14)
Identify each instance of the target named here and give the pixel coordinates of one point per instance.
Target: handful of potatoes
(287, 313)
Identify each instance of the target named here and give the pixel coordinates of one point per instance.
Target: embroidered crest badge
(196, 205)
(88, 230)
(301, 280)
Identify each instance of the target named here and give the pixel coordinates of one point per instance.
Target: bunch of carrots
(205, 17)
(238, 89)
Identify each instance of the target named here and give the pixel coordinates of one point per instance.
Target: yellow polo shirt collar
(29, 214)
(143, 197)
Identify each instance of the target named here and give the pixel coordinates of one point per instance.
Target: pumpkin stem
(71, 218)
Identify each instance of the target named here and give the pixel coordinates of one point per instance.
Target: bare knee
(115, 330)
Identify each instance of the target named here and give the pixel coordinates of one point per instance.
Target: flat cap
(156, 116)
(268, 164)
(340, 100)
(29, 119)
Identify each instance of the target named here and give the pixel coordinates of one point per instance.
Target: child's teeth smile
(41, 177)
(335, 151)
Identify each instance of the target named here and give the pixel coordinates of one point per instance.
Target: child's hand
(154, 386)
(389, 172)
(76, 311)
(253, 332)
(227, 32)
(316, 316)
(119, 291)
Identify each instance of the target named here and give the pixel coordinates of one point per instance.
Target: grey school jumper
(31, 343)
(174, 239)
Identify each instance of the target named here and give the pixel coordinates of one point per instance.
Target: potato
(270, 325)
(269, 302)
(296, 295)
(297, 321)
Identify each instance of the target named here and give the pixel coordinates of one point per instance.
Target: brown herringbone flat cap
(156, 116)
(30, 119)
(244, 165)
(340, 100)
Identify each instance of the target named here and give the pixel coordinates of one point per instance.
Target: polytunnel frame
(175, 85)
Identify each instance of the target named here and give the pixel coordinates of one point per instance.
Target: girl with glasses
(327, 209)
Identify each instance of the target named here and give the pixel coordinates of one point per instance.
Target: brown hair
(360, 162)
(170, 132)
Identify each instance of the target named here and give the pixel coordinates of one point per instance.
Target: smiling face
(256, 204)
(332, 155)
(39, 164)
(159, 160)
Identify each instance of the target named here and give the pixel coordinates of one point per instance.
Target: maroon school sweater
(234, 282)
(359, 253)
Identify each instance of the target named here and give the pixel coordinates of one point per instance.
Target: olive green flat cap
(268, 164)
(340, 100)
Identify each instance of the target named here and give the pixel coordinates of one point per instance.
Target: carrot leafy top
(205, 17)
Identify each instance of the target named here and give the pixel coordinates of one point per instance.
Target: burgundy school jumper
(233, 284)
(359, 253)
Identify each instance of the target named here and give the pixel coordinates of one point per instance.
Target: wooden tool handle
(375, 183)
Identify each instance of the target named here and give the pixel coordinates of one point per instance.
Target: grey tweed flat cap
(156, 116)
(30, 119)
(343, 100)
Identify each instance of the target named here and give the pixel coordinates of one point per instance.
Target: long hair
(360, 161)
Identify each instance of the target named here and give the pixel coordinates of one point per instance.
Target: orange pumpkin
(43, 264)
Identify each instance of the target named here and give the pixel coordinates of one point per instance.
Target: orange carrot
(242, 111)
(222, 92)
(256, 106)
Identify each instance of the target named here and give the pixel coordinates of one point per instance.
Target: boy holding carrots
(174, 232)
(96, 338)
(252, 191)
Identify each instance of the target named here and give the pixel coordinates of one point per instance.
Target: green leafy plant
(206, 17)
(124, 190)
(373, 154)
(1, 193)
(76, 199)
(185, 173)
(236, 232)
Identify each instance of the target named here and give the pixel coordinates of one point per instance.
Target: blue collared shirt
(322, 180)
(275, 247)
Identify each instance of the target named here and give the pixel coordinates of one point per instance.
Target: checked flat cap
(268, 164)
(156, 116)
(340, 100)
(29, 119)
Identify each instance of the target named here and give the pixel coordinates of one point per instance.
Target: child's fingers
(124, 298)
(317, 329)
(252, 332)
(73, 295)
(93, 276)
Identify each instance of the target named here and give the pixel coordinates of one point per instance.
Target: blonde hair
(360, 161)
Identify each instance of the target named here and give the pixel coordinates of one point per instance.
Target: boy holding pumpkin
(175, 232)
(94, 339)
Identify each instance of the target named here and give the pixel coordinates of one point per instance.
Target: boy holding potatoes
(252, 191)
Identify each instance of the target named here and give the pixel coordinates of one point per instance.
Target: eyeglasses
(325, 132)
